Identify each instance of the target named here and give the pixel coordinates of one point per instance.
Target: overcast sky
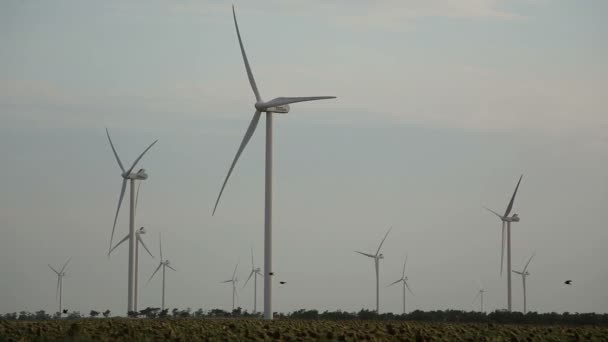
(441, 106)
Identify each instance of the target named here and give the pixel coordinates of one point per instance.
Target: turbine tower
(403, 279)
(233, 280)
(377, 258)
(164, 264)
(276, 105)
(523, 275)
(140, 241)
(132, 177)
(255, 271)
(59, 293)
(506, 221)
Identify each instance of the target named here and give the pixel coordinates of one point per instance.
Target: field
(121, 329)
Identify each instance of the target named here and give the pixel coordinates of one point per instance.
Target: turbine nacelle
(263, 107)
(139, 175)
(380, 256)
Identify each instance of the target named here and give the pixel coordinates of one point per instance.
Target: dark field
(123, 329)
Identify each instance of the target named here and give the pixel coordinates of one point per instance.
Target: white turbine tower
(255, 271)
(403, 279)
(140, 241)
(233, 280)
(506, 220)
(479, 295)
(377, 258)
(277, 105)
(59, 293)
(164, 264)
(523, 275)
(132, 177)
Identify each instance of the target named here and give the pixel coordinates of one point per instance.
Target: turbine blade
(528, 263)
(152, 276)
(252, 125)
(502, 249)
(136, 198)
(520, 273)
(118, 244)
(226, 281)
(385, 235)
(122, 194)
(64, 265)
(395, 282)
(367, 255)
(508, 211)
(54, 270)
(476, 296)
(280, 101)
(234, 273)
(252, 266)
(160, 243)
(493, 212)
(140, 156)
(408, 288)
(114, 150)
(250, 275)
(254, 87)
(143, 244)
(171, 267)
(403, 273)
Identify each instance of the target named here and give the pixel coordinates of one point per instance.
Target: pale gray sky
(441, 105)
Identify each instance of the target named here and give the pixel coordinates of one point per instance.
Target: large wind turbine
(132, 177)
(506, 220)
(276, 105)
(255, 271)
(140, 241)
(233, 280)
(523, 275)
(377, 258)
(163, 263)
(403, 279)
(59, 293)
(479, 295)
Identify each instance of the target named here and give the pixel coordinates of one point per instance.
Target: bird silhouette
(282, 282)
(65, 311)
(568, 282)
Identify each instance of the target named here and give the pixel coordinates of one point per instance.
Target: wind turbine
(233, 280)
(523, 275)
(164, 264)
(132, 177)
(276, 105)
(479, 295)
(255, 271)
(377, 258)
(506, 220)
(60, 275)
(403, 279)
(140, 241)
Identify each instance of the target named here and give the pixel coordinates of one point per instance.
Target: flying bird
(282, 282)
(568, 282)
(65, 311)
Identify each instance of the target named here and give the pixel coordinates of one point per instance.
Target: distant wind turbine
(132, 177)
(403, 279)
(506, 220)
(163, 263)
(255, 271)
(59, 293)
(377, 258)
(523, 275)
(480, 293)
(233, 280)
(140, 241)
(277, 105)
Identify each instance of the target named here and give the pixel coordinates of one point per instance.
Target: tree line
(451, 316)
